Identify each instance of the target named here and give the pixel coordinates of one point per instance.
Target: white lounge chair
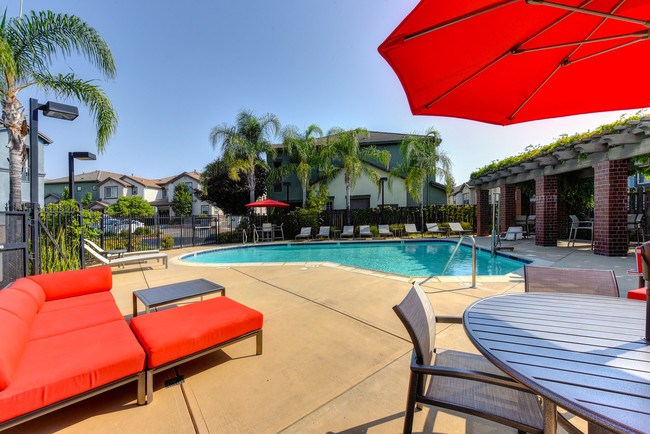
(364, 231)
(127, 259)
(324, 232)
(305, 232)
(513, 233)
(113, 254)
(458, 228)
(410, 228)
(432, 228)
(384, 231)
(348, 232)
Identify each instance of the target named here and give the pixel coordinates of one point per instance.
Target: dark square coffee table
(166, 294)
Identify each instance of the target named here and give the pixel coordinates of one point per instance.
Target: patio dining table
(584, 353)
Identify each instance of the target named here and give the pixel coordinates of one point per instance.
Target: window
(110, 192)
(164, 193)
(205, 209)
(329, 206)
(94, 188)
(134, 190)
(190, 188)
(359, 202)
(78, 188)
(465, 198)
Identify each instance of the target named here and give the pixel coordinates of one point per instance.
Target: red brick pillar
(483, 213)
(508, 209)
(610, 208)
(546, 211)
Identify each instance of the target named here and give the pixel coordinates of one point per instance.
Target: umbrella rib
(458, 19)
(512, 116)
(643, 34)
(588, 12)
(569, 62)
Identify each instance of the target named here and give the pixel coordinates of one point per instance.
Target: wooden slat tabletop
(586, 353)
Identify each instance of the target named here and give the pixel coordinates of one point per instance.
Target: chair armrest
(467, 374)
(449, 319)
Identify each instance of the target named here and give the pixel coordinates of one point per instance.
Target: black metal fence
(14, 246)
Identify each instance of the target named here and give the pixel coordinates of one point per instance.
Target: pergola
(605, 157)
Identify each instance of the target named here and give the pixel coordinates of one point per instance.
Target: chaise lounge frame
(127, 259)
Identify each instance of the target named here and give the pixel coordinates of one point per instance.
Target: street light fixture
(383, 179)
(53, 110)
(71, 158)
(287, 184)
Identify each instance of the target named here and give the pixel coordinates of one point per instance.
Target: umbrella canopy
(504, 62)
(267, 203)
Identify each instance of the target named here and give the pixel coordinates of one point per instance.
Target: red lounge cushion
(66, 365)
(638, 294)
(17, 312)
(32, 288)
(62, 321)
(177, 332)
(76, 302)
(78, 282)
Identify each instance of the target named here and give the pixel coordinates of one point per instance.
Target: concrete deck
(335, 355)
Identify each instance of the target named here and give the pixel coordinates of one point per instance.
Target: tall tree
(304, 155)
(28, 44)
(182, 201)
(244, 143)
(342, 153)
(423, 159)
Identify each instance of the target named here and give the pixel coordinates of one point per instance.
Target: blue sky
(184, 68)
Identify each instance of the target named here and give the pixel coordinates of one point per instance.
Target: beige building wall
(396, 195)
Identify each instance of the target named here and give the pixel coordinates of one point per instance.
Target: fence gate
(14, 247)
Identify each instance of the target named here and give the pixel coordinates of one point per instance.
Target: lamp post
(52, 110)
(71, 158)
(287, 184)
(383, 180)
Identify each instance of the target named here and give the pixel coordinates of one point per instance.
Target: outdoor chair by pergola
(577, 224)
(460, 381)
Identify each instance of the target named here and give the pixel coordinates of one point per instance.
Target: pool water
(406, 258)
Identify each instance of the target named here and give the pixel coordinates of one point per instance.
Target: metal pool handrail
(473, 258)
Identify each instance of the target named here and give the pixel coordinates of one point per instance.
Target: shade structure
(505, 62)
(267, 203)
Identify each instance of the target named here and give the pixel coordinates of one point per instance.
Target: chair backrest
(574, 280)
(410, 227)
(417, 315)
(96, 255)
(267, 225)
(324, 230)
(574, 219)
(364, 229)
(94, 246)
(432, 227)
(305, 230)
(383, 228)
(455, 227)
(348, 230)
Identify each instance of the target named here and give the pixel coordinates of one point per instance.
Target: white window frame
(107, 194)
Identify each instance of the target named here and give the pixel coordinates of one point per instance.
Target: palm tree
(342, 152)
(304, 155)
(27, 46)
(244, 143)
(423, 159)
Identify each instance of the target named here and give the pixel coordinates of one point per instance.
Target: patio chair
(458, 228)
(127, 259)
(364, 231)
(279, 229)
(576, 280)
(432, 228)
(634, 223)
(384, 231)
(305, 232)
(324, 232)
(410, 228)
(267, 231)
(348, 232)
(577, 224)
(513, 233)
(460, 381)
(112, 254)
(530, 224)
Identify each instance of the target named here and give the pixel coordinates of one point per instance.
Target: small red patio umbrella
(267, 203)
(504, 62)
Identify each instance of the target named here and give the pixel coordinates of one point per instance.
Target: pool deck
(335, 355)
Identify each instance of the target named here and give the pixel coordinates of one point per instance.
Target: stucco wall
(4, 173)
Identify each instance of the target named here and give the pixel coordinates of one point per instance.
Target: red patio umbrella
(505, 62)
(267, 203)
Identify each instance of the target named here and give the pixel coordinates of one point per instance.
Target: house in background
(365, 193)
(462, 195)
(83, 183)
(43, 140)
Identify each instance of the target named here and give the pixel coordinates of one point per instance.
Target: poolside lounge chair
(324, 232)
(364, 231)
(410, 228)
(384, 231)
(348, 232)
(576, 280)
(513, 233)
(460, 381)
(458, 228)
(432, 228)
(305, 232)
(127, 259)
(267, 231)
(110, 254)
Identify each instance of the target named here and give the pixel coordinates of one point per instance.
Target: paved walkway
(335, 355)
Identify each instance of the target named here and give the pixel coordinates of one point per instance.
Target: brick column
(546, 211)
(483, 213)
(508, 214)
(610, 208)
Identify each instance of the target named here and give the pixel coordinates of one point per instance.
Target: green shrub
(167, 242)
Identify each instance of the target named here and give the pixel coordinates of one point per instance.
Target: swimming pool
(411, 258)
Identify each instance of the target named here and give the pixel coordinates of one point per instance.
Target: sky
(186, 67)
